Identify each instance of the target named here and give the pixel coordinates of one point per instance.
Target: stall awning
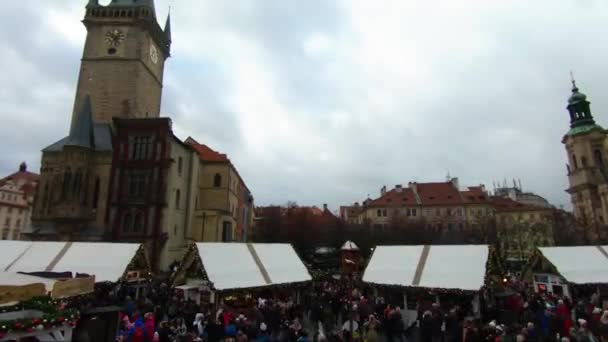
(579, 264)
(461, 267)
(105, 261)
(247, 265)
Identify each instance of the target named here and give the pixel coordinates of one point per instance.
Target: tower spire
(167, 30)
(573, 81)
(578, 107)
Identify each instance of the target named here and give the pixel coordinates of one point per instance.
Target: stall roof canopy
(106, 261)
(460, 267)
(579, 264)
(247, 265)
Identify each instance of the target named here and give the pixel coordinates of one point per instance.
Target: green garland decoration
(52, 316)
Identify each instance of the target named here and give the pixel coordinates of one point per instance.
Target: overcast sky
(321, 101)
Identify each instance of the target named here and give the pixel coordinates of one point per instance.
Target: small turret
(579, 108)
(167, 31)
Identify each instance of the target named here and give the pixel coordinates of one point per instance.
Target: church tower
(123, 60)
(121, 77)
(585, 145)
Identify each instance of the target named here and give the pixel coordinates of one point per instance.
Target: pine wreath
(53, 315)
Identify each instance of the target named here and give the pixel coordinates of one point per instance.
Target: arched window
(77, 182)
(175, 230)
(584, 161)
(138, 225)
(598, 158)
(217, 180)
(96, 193)
(574, 162)
(67, 180)
(179, 165)
(45, 199)
(177, 198)
(127, 223)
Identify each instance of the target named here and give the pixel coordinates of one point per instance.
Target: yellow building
(586, 145)
(438, 205)
(521, 228)
(223, 205)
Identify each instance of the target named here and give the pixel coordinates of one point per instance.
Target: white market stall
(107, 262)
(456, 268)
(221, 268)
(552, 269)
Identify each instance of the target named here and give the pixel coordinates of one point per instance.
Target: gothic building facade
(120, 78)
(586, 144)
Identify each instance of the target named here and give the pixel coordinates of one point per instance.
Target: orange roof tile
(208, 154)
(395, 198)
(443, 193)
(475, 194)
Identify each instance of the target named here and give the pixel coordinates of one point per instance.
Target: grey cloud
(492, 106)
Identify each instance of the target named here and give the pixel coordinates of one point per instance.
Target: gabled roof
(253, 265)
(443, 193)
(397, 197)
(206, 153)
(461, 267)
(579, 264)
(21, 176)
(209, 155)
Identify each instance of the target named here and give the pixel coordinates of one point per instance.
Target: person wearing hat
(263, 335)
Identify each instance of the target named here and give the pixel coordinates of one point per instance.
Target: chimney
(324, 206)
(22, 167)
(383, 190)
(398, 188)
(413, 186)
(356, 204)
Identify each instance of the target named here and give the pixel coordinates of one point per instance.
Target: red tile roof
(444, 193)
(207, 154)
(395, 198)
(26, 179)
(475, 194)
(506, 204)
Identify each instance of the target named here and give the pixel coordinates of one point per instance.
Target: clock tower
(120, 78)
(123, 60)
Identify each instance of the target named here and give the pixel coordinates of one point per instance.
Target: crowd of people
(338, 311)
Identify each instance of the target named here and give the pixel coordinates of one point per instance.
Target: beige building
(16, 200)
(438, 205)
(223, 204)
(178, 215)
(586, 146)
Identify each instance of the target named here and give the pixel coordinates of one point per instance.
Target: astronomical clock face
(114, 37)
(153, 53)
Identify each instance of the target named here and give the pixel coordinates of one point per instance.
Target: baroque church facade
(586, 144)
(115, 176)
